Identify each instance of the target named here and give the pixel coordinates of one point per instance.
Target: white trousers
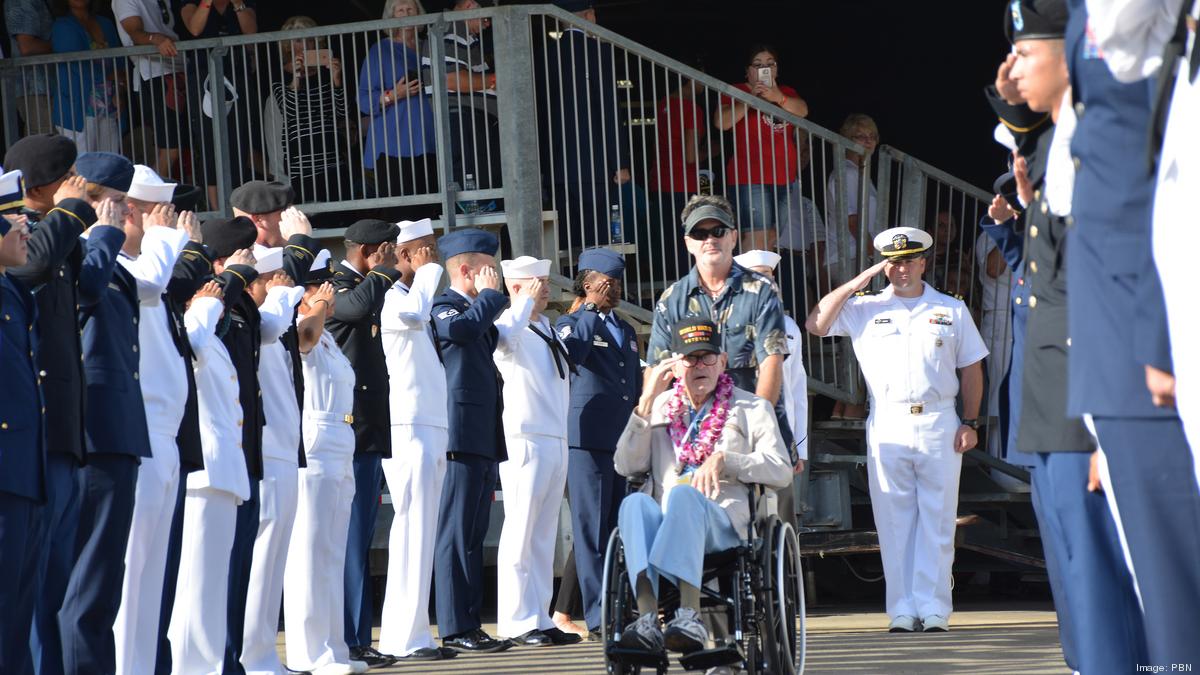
(414, 473)
(277, 511)
(198, 620)
(313, 579)
(533, 480)
(135, 631)
(913, 474)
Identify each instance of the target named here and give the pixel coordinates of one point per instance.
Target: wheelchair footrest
(637, 657)
(726, 655)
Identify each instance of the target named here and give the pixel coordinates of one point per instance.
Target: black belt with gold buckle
(916, 409)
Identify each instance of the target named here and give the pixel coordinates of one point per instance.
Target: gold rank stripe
(58, 208)
(1023, 130)
(379, 274)
(17, 203)
(235, 273)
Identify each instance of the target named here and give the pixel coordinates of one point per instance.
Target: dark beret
(106, 168)
(372, 231)
(468, 240)
(224, 236)
(41, 158)
(602, 260)
(1035, 20)
(260, 196)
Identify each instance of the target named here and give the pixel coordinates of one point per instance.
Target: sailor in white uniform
(199, 618)
(313, 589)
(914, 344)
(537, 390)
(276, 297)
(417, 466)
(164, 391)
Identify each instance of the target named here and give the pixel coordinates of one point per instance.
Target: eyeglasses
(865, 137)
(707, 358)
(717, 232)
(769, 64)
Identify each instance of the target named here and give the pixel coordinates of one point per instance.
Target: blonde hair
(299, 22)
(390, 6)
(858, 122)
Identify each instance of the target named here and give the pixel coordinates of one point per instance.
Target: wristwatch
(590, 307)
(973, 423)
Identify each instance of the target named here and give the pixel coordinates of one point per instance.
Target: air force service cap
(691, 334)
(902, 242)
(603, 260)
(41, 158)
(1035, 20)
(468, 240)
(106, 168)
(371, 231)
(225, 236)
(12, 193)
(261, 196)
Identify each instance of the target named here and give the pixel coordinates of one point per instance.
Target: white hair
(390, 6)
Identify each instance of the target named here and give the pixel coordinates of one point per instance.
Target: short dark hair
(760, 47)
(580, 279)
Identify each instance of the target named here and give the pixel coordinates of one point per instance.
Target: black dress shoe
(594, 635)
(447, 653)
(423, 654)
(372, 657)
(533, 638)
(560, 637)
(477, 642)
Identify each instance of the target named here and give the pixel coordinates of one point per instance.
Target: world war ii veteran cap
(372, 231)
(260, 196)
(468, 240)
(1035, 20)
(690, 335)
(41, 158)
(603, 260)
(106, 168)
(902, 242)
(224, 236)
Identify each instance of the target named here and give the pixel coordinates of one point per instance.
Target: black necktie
(557, 351)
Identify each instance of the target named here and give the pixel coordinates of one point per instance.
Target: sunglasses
(707, 358)
(718, 232)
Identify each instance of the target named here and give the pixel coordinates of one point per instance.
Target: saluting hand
(109, 212)
(162, 215)
(280, 279)
(322, 296)
(243, 256)
(209, 290)
(864, 278)
(421, 256)
(1021, 174)
(74, 187)
(486, 277)
(188, 222)
(1000, 211)
(1005, 86)
(293, 221)
(384, 255)
(532, 288)
(660, 377)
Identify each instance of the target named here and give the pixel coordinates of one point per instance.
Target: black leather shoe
(560, 637)
(533, 638)
(423, 654)
(372, 657)
(594, 635)
(477, 642)
(447, 653)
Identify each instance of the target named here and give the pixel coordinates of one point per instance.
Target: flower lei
(693, 452)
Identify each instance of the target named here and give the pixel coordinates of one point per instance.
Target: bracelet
(314, 302)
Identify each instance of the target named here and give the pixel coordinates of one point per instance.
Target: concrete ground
(991, 640)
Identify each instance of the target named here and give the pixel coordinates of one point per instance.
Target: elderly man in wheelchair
(707, 450)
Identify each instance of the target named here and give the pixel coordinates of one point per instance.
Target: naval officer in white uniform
(417, 466)
(537, 389)
(914, 345)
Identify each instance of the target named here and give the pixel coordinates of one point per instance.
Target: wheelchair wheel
(616, 596)
(788, 635)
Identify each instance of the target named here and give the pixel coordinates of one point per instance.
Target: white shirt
(804, 224)
(995, 291)
(870, 224)
(162, 369)
(152, 22)
(281, 435)
(418, 380)
(328, 379)
(218, 403)
(910, 356)
(795, 387)
(536, 398)
(1060, 166)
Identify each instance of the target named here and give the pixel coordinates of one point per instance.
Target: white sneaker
(644, 633)
(935, 623)
(902, 624)
(686, 633)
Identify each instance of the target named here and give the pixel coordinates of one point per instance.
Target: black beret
(372, 231)
(41, 158)
(260, 196)
(106, 168)
(225, 236)
(1035, 20)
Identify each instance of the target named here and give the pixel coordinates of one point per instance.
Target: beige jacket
(754, 454)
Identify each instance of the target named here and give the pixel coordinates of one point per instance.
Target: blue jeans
(759, 207)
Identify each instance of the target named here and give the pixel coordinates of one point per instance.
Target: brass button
(135, 375)
(1070, 221)
(61, 273)
(135, 349)
(1037, 194)
(1033, 266)
(1017, 300)
(625, 398)
(135, 320)
(41, 373)
(1033, 230)
(7, 317)
(1033, 301)
(1045, 207)
(1068, 342)
(239, 423)
(3, 425)
(1079, 108)
(1075, 161)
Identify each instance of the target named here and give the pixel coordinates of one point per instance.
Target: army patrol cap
(106, 168)
(468, 240)
(321, 269)
(691, 334)
(1035, 20)
(371, 231)
(41, 158)
(902, 242)
(12, 193)
(260, 196)
(603, 260)
(224, 236)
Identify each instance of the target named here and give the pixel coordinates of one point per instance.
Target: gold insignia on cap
(900, 242)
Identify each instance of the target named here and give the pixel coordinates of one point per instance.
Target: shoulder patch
(447, 313)
(564, 332)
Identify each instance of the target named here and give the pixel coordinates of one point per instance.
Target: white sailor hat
(267, 260)
(414, 229)
(757, 258)
(321, 260)
(12, 194)
(525, 267)
(148, 186)
(902, 241)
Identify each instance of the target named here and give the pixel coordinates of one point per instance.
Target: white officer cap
(267, 260)
(414, 229)
(321, 261)
(902, 241)
(525, 267)
(148, 186)
(12, 195)
(757, 258)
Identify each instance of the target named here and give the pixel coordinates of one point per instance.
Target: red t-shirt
(765, 150)
(676, 116)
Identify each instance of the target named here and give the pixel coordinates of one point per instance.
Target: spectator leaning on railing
(29, 23)
(86, 105)
(862, 130)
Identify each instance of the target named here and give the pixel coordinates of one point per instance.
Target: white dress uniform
(909, 357)
(198, 621)
(417, 467)
(279, 488)
(313, 604)
(795, 387)
(164, 392)
(537, 392)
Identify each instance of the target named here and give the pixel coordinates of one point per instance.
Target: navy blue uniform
(22, 470)
(1118, 326)
(604, 393)
(466, 335)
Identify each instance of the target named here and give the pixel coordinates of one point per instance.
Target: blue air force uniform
(1118, 325)
(604, 393)
(466, 335)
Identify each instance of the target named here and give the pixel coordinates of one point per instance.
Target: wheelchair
(754, 591)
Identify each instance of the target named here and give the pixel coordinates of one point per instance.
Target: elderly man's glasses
(718, 232)
(706, 358)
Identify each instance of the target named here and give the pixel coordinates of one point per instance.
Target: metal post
(913, 191)
(520, 167)
(216, 89)
(12, 132)
(884, 188)
(441, 117)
